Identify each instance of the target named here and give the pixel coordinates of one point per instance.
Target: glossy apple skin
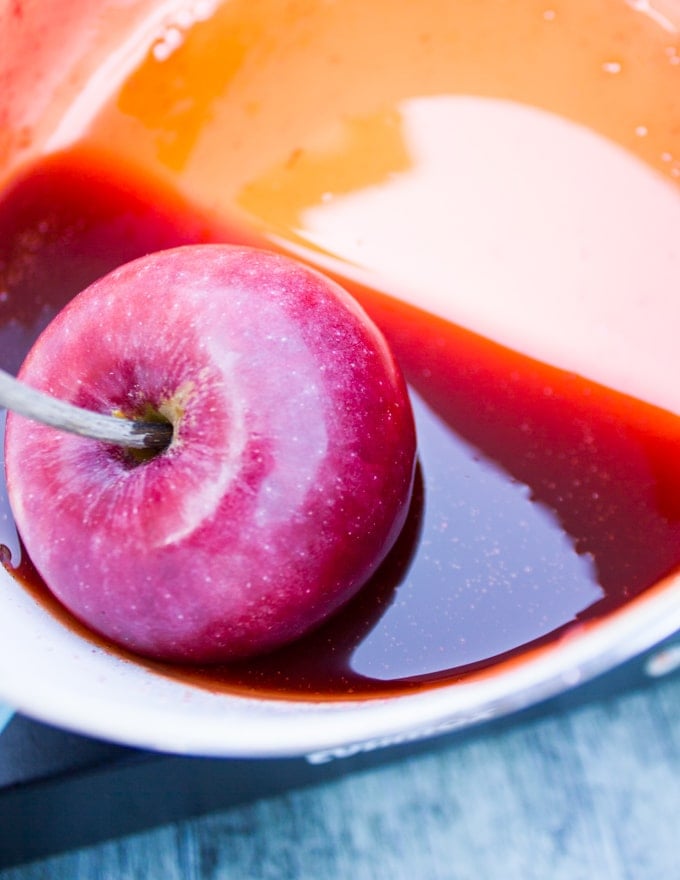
(286, 483)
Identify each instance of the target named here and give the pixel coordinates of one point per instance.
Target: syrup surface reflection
(514, 222)
(494, 569)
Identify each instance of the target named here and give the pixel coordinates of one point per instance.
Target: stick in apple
(130, 433)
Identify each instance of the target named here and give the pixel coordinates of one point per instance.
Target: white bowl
(51, 672)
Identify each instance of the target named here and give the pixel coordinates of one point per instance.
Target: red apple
(288, 477)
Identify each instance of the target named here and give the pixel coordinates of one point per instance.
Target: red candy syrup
(543, 500)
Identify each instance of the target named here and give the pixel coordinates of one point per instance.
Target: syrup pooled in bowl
(544, 498)
(507, 212)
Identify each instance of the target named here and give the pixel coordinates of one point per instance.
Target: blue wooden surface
(592, 793)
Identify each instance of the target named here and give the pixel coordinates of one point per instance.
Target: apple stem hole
(139, 455)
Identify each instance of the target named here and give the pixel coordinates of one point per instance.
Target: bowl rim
(75, 685)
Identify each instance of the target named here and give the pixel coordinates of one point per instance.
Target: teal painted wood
(593, 794)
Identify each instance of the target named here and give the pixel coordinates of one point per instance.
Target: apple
(285, 484)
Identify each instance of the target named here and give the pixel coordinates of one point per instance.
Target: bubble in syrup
(641, 131)
(172, 39)
(184, 19)
(549, 15)
(611, 67)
